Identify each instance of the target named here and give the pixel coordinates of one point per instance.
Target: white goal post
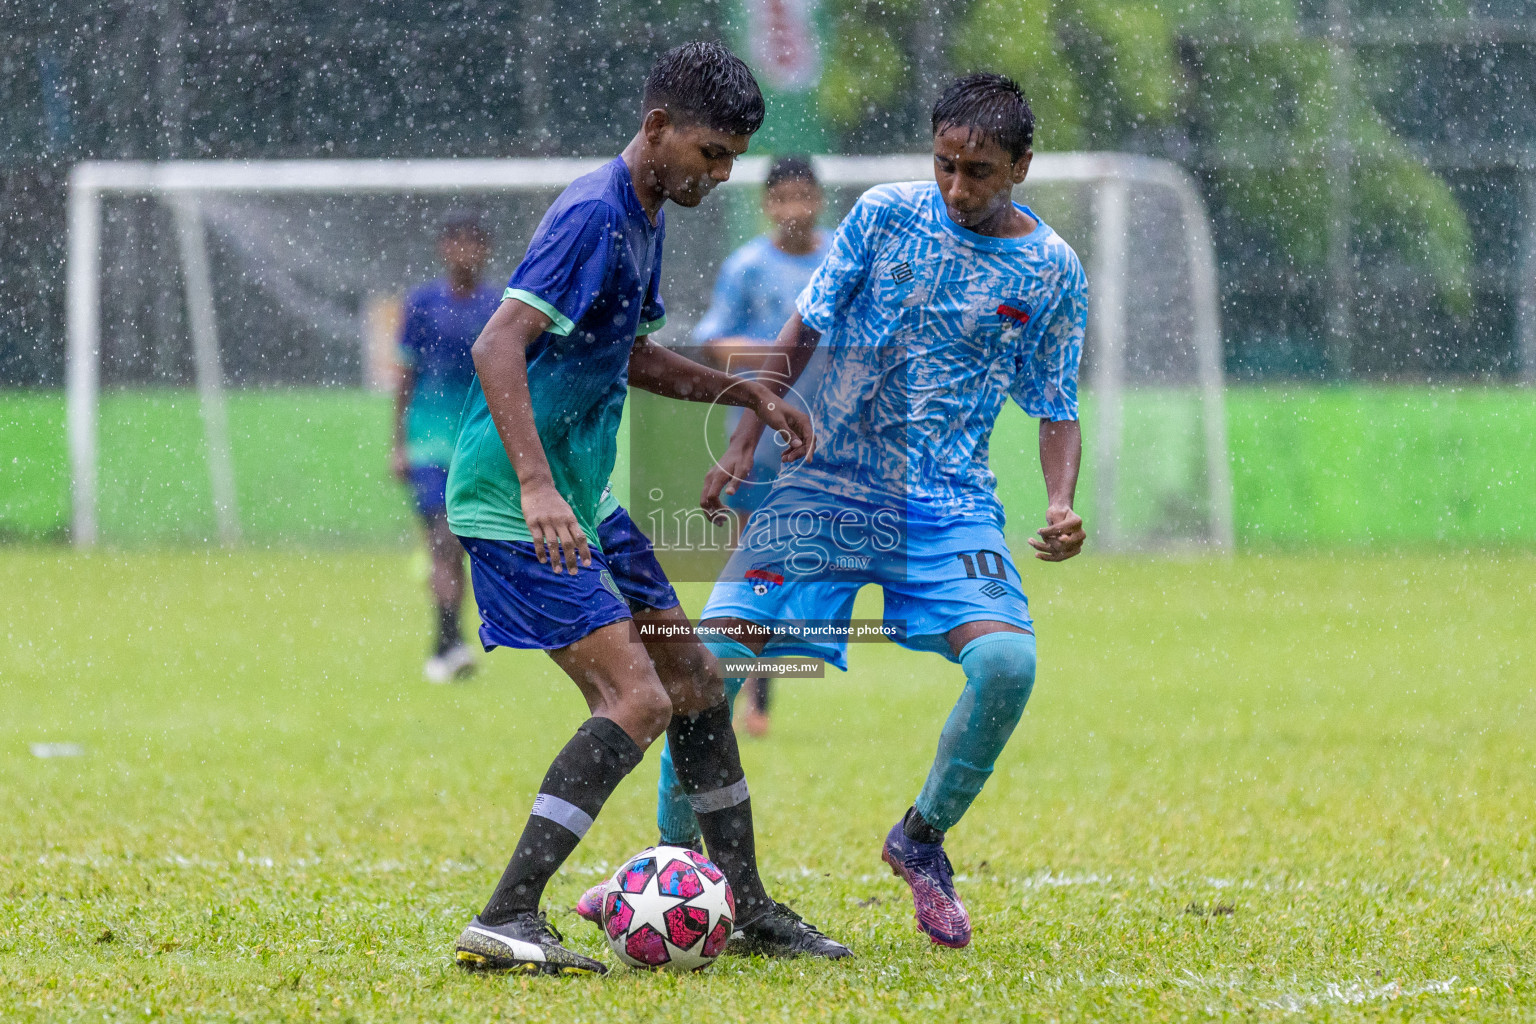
(183, 186)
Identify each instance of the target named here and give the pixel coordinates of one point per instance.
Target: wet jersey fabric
(594, 268)
(435, 341)
(929, 328)
(754, 296)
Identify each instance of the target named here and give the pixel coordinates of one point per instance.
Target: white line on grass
(1354, 993)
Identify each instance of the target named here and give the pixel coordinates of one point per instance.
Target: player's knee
(647, 709)
(1001, 667)
(695, 682)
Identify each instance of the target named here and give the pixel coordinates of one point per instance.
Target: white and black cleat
(780, 932)
(527, 944)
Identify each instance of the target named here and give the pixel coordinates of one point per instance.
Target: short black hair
(705, 83)
(791, 168)
(990, 104)
(464, 222)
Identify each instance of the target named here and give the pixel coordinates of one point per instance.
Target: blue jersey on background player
(938, 302)
(442, 320)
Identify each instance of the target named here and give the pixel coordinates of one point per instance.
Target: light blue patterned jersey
(929, 328)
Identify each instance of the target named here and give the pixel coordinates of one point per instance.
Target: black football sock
(918, 830)
(448, 636)
(760, 691)
(708, 764)
(580, 778)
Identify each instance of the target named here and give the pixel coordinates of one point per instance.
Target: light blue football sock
(674, 815)
(999, 675)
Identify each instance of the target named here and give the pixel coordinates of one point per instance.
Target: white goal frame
(180, 185)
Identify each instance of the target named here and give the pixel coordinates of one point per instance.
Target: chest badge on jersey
(902, 272)
(1014, 311)
(764, 577)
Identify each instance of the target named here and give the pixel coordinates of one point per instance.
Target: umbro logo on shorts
(994, 590)
(902, 273)
(609, 584)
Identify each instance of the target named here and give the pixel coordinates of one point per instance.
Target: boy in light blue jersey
(938, 302)
(754, 294)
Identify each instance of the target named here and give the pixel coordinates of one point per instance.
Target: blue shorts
(804, 578)
(525, 604)
(429, 486)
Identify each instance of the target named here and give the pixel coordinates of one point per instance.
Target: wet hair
(791, 168)
(705, 83)
(464, 222)
(991, 105)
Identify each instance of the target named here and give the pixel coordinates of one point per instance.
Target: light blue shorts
(806, 554)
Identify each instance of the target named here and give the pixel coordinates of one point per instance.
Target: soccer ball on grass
(668, 908)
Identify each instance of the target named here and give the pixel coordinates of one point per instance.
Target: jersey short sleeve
(653, 315)
(726, 315)
(837, 280)
(1046, 388)
(567, 264)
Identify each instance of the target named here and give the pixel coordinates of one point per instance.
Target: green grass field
(1271, 788)
(1343, 466)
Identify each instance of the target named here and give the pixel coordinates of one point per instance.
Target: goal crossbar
(180, 184)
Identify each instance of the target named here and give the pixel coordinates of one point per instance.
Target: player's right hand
(734, 467)
(558, 539)
(792, 424)
(399, 465)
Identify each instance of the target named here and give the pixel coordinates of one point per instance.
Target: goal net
(232, 328)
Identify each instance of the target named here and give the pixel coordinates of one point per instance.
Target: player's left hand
(1061, 537)
(792, 424)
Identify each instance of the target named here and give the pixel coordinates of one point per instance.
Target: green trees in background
(1239, 81)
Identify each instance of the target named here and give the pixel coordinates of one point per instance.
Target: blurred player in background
(754, 294)
(442, 321)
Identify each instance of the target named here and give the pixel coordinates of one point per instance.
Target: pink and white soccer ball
(668, 908)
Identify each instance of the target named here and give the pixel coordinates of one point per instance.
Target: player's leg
(451, 658)
(706, 762)
(587, 629)
(754, 717)
(999, 663)
(963, 598)
(675, 819)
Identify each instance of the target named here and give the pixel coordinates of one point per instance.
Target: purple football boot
(590, 906)
(923, 866)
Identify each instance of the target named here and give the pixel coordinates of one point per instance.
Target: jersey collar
(987, 243)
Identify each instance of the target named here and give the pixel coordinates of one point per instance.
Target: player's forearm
(501, 362)
(661, 371)
(1061, 456)
(721, 351)
(797, 341)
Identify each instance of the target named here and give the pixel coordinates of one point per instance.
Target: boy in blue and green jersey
(550, 570)
(442, 320)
